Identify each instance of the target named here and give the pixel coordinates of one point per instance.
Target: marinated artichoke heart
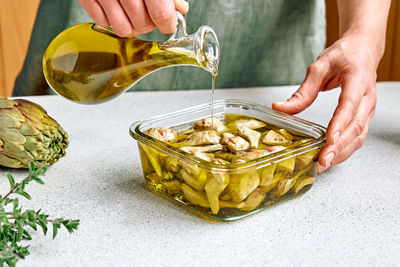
(249, 123)
(203, 138)
(225, 138)
(260, 152)
(273, 138)
(28, 134)
(237, 143)
(250, 135)
(162, 134)
(236, 140)
(197, 149)
(210, 124)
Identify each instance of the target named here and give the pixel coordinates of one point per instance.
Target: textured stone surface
(351, 216)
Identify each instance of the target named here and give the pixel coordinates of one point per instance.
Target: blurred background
(18, 16)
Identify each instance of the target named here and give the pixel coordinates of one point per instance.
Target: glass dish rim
(137, 134)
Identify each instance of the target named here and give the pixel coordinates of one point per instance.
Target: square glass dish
(236, 188)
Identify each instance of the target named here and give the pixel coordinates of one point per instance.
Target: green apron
(263, 42)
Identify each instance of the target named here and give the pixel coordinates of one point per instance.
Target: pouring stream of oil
(212, 98)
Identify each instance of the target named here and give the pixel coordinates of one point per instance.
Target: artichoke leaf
(11, 118)
(10, 162)
(7, 103)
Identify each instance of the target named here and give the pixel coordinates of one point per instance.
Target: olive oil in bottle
(89, 64)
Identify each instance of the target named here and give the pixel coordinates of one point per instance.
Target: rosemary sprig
(14, 222)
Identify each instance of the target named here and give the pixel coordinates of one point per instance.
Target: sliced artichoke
(203, 138)
(260, 152)
(210, 124)
(237, 143)
(197, 182)
(194, 197)
(173, 186)
(162, 134)
(28, 134)
(286, 134)
(267, 174)
(302, 182)
(214, 187)
(225, 138)
(202, 156)
(230, 204)
(201, 149)
(171, 164)
(250, 135)
(278, 176)
(250, 123)
(153, 157)
(273, 138)
(254, 200)
(286, 165)
(282, 188)
(242, 185)
(225, 155)
(305, 159)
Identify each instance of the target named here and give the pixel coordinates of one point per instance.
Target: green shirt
(263, 42)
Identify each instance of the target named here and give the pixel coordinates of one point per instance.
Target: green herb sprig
(14, 222)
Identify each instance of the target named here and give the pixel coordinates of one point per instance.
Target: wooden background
(17, 18)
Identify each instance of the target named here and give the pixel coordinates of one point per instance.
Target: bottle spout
(203, 45)
(206, 49)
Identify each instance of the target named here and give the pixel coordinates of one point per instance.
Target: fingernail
(185, 4)
(279, 103)
(321, 168)
(336, 137)
(328, 159)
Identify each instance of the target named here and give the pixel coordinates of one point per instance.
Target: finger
(353, 147)
(352, 138)
(181, 6)
(162, 13)
(138, 15)
(353, 89)
(96, 12)
(317, 75)
(331, 84)
(117, 17)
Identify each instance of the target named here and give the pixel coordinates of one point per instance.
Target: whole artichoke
(28, 134)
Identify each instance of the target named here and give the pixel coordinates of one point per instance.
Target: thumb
(182, 6)
(308, 91)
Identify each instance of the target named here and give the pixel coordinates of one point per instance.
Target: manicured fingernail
(279, 103)
(336, 137)
(328, 159)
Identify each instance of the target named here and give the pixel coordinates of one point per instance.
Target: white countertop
(350, 217)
